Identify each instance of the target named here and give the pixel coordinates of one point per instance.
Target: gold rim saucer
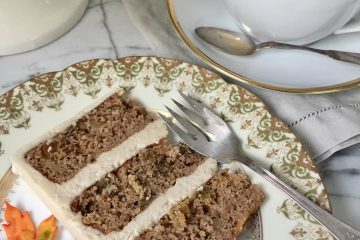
(243, 79)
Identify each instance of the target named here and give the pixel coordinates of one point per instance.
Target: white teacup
(292, 21)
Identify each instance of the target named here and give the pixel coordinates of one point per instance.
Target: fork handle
(338, 229)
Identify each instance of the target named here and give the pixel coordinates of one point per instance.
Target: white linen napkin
(325, 123)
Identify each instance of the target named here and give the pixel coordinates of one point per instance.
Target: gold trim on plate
(243, 79)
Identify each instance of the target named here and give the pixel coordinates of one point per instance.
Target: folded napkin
(325, 123)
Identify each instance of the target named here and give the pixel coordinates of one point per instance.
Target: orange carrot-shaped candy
(19, 226)
(47, 229)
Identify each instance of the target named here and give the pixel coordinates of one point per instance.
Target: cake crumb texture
(112, 202)
(100, 130)
(217, 211)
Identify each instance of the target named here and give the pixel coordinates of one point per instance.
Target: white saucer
(283, 70)
(29, 24)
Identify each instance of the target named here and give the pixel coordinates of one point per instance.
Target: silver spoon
(239, 44)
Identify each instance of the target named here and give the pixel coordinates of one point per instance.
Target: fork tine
(186, 124)
(204, 111)
(177, 130)
(193, 116)
(196, 144)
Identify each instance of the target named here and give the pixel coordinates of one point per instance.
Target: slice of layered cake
(112, 174)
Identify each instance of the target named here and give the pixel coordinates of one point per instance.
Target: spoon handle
(338, 55)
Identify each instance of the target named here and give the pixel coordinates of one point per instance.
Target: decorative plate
(282, 70)
(38, 105)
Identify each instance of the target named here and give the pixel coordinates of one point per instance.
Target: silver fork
(205, 132)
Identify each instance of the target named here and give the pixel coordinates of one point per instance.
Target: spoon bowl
(226, 40)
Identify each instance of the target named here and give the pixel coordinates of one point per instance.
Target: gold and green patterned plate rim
(43, 102)
(223, 70)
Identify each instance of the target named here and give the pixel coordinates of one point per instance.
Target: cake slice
(218, 210)
(112, 174)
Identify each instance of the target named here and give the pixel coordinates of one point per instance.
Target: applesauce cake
(112, 174)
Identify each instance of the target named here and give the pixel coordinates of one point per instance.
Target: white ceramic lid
(29, 24)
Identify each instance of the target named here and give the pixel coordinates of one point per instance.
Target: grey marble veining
(341, 175)
(105, 31)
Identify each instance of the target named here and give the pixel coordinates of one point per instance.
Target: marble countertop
(105, 31)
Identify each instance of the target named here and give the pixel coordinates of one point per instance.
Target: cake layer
(217, 211)
(113, 201)
(106, 126)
